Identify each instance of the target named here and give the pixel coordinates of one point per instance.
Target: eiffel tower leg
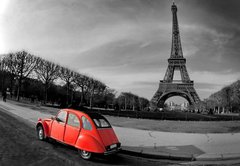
(169, 73)
(154, 101)
(153, 106)
(184, 74)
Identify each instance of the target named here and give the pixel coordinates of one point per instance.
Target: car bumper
(113, 151)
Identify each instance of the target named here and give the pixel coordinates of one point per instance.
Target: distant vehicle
(88, 132)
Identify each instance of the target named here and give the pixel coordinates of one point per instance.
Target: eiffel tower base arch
(167, 90)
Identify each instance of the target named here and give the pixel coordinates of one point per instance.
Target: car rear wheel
(40, 133)
(85, 154)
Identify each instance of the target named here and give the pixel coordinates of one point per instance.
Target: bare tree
(67, 76)
(11, 69)
(236, 96)
(82, 82)
(125, 98)
(143, 103)
(47, 72)
(132, 101)
(21, 64)
(109, 96)
(121, 101)
(228, 98)
(94, 87)
(2, 71)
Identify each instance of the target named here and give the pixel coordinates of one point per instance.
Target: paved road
(201, 146)
(19, 146)
(29, 118)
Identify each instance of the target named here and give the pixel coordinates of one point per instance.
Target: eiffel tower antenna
(169, 87)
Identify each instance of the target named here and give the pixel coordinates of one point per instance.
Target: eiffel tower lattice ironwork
(169, 87)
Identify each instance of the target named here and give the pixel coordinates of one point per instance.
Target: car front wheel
(40, 133)
(85, 154)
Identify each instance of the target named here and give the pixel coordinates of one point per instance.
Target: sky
(126, 43)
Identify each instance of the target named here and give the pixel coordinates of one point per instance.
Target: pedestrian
(4, 95)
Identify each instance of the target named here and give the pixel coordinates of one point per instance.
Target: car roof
(92, 115)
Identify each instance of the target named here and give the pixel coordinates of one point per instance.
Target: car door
(72, 129)
(58, 125)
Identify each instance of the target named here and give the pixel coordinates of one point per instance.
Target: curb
(219, 157)
(158, 156)
(169, 156)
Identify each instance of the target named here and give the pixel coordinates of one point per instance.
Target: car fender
(45, 127)
(89, 143)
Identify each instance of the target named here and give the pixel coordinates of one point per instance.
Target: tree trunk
(20, 79)
(82, 96)
(19, 88)
(67, 94)
(11, 84)
(46, 93)
(125, 103)
(91, 100)
(3, 80)
(72, 97)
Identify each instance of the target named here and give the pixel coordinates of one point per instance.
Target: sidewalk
(154, 144)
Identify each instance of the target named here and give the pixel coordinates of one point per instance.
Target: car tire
(85, 154)
(40, 133)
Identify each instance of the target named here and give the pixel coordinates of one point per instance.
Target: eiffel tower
(169, 87)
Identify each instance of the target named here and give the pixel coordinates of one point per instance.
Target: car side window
(62, 116)
(73, 120)
(86, 124)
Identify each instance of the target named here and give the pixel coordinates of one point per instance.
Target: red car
(88, 132)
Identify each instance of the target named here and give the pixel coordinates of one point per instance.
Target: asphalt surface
(20, 147)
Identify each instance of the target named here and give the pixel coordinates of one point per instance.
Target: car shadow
(72, 153)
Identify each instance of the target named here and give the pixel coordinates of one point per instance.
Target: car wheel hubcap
(85, 154)
(40, 133)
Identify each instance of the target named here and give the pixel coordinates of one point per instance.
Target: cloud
(146, 83)
(210, 49)
(125, 43)
(209, 82)
(222, 78)
(143, 84)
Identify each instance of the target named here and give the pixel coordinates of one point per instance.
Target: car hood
(108, 136)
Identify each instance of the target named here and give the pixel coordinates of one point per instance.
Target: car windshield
(101, 123)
